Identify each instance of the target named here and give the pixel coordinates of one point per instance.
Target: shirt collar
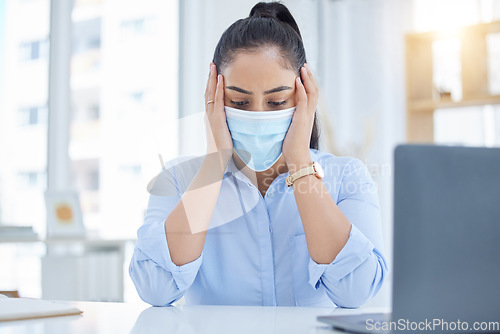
(232, 169)
(231, 166)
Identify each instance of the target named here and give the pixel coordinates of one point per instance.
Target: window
(117, 103)
(33, 115)
(137, 97)
(24, 52)
(31, 180)
(138, 26)
(34, 50)
(86, 35)
(23, 103)
(112, 158)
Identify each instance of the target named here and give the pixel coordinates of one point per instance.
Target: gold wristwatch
(315, 169)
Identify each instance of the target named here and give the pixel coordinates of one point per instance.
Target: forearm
(344, 239)
(186, 226)
(155, 285)
(325, 226)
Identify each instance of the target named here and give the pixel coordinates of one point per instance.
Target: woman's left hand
(296, 142)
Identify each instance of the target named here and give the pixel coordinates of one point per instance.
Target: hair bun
(266, 9)
(275, 10)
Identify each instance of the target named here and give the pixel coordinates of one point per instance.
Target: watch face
(319, 170)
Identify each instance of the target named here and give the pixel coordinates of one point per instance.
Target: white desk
(110, 318)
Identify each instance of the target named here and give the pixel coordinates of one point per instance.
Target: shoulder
(183, 161)
(183, 166)
(347, 176)
(175, 174)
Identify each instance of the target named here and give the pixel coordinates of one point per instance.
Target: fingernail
(218, 78)
(306, 65)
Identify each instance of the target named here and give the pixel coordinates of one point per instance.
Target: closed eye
(239, 103)
(277, 103)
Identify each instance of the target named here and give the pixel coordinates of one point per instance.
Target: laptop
(446, 246)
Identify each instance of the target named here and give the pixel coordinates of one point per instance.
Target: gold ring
(210, 101)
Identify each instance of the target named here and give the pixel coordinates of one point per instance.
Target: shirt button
(269, 195)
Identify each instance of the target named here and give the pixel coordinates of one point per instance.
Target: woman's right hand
(218, 137)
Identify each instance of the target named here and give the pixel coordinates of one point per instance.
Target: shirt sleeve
(157, 279)
(358, 271)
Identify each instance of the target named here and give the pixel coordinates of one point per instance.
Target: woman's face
(257, 81)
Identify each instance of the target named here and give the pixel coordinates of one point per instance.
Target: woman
(255, 221)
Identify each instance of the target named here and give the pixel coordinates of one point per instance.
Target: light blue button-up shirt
(255, 251)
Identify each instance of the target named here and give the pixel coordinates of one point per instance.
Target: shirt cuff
(152, 241)
(356, 250)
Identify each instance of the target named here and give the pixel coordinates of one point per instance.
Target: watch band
(298, 174)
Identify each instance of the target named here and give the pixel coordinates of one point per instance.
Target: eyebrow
(274, 90)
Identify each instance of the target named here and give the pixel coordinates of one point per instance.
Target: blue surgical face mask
(258, 135)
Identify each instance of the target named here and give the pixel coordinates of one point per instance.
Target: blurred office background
(390, 72)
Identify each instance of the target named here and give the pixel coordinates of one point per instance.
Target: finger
(208, 81)
(315, 83)
(219, 94)
(211, 88)
(301, 95)
(308, 83)
(311, 88)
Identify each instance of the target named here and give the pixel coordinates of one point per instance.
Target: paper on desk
(25, 308)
